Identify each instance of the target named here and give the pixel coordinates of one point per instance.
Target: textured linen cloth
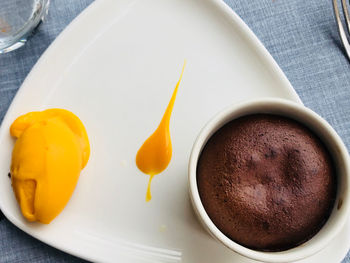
(301, 36)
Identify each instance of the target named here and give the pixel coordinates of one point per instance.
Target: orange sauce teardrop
(155, 153)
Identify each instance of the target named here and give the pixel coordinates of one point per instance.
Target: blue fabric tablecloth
(301, 36)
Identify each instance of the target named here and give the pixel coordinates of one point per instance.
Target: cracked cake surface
(266, 181)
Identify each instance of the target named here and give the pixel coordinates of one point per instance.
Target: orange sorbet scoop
(52, 148)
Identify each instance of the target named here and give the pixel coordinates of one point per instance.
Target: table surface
(301, 36)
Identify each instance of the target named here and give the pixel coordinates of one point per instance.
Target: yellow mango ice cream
(52, 148)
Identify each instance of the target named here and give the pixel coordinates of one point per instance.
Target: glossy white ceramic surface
(323, 130)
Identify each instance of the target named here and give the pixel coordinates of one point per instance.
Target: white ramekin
(333, 143)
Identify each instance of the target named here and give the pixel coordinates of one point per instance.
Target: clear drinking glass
(18, 19)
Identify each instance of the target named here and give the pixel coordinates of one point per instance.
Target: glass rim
(20, 37)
